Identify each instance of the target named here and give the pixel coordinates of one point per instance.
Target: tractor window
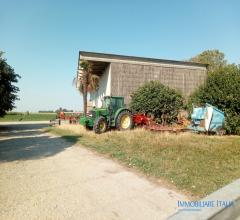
(119, 103)
(106, 103)
(116, 103)
(113, 104)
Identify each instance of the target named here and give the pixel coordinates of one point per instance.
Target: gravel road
(46, 177)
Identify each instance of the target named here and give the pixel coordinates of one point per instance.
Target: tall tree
(86, 82)
(7, 88)
(214, 58)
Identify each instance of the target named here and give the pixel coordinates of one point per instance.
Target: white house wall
(104, 88)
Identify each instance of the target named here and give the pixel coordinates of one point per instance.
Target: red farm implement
(141, 119)
(150, 124)
(66, 118)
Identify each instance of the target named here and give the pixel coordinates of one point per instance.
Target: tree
(214, 58)
(222, 89)
(87, 82)
(7, 88)
(157, 99)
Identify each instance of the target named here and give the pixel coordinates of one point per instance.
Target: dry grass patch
(195, 163)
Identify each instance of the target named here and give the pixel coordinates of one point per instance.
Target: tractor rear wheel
(100, 125)
(124, 120)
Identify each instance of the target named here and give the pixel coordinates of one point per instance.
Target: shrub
(157, 99)
(222, 89)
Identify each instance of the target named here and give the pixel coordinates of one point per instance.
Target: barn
(121, 75)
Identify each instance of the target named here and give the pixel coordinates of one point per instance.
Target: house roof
(104, 57)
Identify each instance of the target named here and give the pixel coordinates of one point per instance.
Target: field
(195, 164)
(28, 117)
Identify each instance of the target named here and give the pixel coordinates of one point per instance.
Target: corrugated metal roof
(138, 59)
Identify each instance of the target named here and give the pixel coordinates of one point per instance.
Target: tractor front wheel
(124, 121)
(100, 125)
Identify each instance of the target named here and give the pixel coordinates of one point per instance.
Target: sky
(41, 39)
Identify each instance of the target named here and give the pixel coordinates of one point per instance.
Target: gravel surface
(46, 177)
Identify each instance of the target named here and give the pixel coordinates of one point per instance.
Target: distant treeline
(40, 111)
(56, 111)
(15, 113)
(30, 113)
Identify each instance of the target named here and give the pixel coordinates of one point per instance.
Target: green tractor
(112, 114)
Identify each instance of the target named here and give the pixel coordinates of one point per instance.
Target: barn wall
(126, 78)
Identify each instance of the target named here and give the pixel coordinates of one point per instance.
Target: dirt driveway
(45, 177)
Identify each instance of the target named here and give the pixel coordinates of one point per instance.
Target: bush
(222, 89)
(157, 99)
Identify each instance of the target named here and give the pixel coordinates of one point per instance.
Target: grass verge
(28, 117)
(197, 164)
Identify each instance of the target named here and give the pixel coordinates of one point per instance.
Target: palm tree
(86, 82)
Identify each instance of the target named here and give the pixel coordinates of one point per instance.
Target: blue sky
(41, 39)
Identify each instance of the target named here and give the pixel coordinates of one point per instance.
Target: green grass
(28, 117)
(195, 164)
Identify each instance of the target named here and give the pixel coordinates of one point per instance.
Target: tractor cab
(113, 103)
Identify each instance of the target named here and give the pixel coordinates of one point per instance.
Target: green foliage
(88, 77)
(214, 58)
(222, 89)
(85, 65)
(7, 89)
(157, 99)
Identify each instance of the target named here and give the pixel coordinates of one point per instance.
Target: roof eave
(135, 58)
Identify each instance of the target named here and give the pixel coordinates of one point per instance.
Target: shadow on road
(21, 129)
(26, 142)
